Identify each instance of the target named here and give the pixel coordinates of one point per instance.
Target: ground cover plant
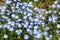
(29, 19)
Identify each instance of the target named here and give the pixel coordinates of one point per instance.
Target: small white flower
(18, 31)
(58, 25)
(35, 31)
(24, 17)
(57, 31)
(50, 11)
(13, 15)
(38, 35)
(56, 2)
(50, 18)
(5, 36)
(58, 6)
(26, 36)
(55, 11)
(59, 13)
(16, 17)
(35, 27)
(11, 29)
(36, 0)
(53, 6)
(47, 38)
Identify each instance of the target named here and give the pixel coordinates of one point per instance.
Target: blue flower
(26, 36)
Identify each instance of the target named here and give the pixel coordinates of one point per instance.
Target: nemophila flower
(50, 36)
(57, 31)
(54, 18)
(11, 29)
(0, 26)
(58, 25)
(29, 14)
(37, 9)
(46, 12)
(26, 36)
(23, 7)
(20, 3)
(25, 4)
(30, 4)
(19, 25)
(1, 7)
(12, 7)
(47, 38)
(19, 31)
(36, 20)
(56, 2)
(36, 27)
(36, 0)
(29, 10)
(30, 18)
(9, 22)
(29, 31)
(29, 26)
(5, 36)
(8, 26)
(8, 2)
(35, 31)
(31, 23)
(2, 10)
(15, 0)
(3, 16)
(50, 18)
(45, 33)
(59, 13)
(13, 15)
(53, 6)
(58, 5)
(43, 17)
(25, 13)
(18, 20)
(13, 4)
(54, 11)
(38, 35)
(24, 17)
(16, 17)
(12, 23)
(43, 24)
(8, 19)
(49, 11)
(46, 29)
(4, 26)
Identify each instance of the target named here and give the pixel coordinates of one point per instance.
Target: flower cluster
(18, 16)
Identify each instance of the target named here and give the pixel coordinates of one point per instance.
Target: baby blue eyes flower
(8, 2)
(26, 36)
(53, 6)
(36, 0)
(11, 29)
(24, 17)
(59, 13)
(0, 26)
(18, 31)
(15, 0)
(5, 36)
(57, 31)
(56, 2)
(58, 6)
(50, 18)
(58, 25)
